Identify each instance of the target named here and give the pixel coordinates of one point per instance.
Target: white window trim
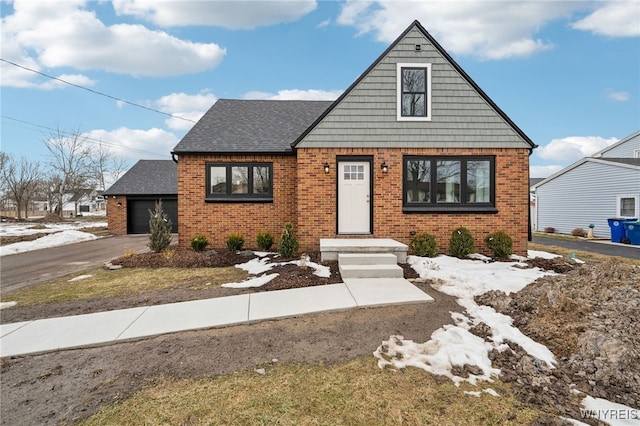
(636, 153)
(399, 67)
(637, 205)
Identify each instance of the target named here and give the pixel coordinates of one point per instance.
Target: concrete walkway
(103, 328)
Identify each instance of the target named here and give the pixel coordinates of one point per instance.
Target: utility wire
(94, 91)
(65, 133)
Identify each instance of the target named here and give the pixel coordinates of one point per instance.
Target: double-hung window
(449, 184)
(414, 92)
(244, 182)
(627, 206)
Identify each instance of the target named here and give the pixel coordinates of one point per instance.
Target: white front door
(354, 197)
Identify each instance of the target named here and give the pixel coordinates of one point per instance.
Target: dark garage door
(138, 214)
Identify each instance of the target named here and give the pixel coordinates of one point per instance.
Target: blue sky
(567, 73)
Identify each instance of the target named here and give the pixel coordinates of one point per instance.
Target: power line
(65, 133)
(94, 91)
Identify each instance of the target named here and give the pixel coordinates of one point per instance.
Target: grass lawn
(121, 283)
(352, 393)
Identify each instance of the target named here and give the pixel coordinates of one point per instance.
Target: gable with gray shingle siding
(461, 116)
(147, 177)
(251, 126)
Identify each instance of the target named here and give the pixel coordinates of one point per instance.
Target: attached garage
(136, 192)
(138, 213)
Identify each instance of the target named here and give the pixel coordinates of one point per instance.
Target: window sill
(450, 209)
(239, 200)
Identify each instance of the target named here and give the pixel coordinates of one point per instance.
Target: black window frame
(462, 206)
(424, 92)
(229, 196)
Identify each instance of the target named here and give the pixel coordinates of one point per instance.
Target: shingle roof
(248, 126)
(147, 177)
(629, 161)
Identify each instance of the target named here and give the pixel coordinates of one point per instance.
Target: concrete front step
(367, 259)
(371, 271)
(331, 247)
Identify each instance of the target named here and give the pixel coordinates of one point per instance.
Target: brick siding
(305, 196)
(117, 214)
(218, 220)
(317, 198)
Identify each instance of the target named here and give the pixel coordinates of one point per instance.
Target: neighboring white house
(592, 190)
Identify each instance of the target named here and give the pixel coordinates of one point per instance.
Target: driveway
(595, 246)
(23, 269)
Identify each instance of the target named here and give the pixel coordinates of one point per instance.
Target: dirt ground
(66, 386)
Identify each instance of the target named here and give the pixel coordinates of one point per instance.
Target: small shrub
(461, 243)
(235, 242)
(159, 229)
(168, 254)
(500, 244)
(288, 245)
(199, 242)
(128, 253)
(549, 229)
(424, 245)
(264, 240)
(579, 232)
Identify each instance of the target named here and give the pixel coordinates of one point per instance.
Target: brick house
(413, 145)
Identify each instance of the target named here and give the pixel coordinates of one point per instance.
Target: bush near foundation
(424, 245)
(288, 245)
(199, 242)
(500, 244)
(461, 244)
(235, 242)
(264, 240)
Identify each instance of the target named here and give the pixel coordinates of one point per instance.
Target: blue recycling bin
(617, 228)
(632, 232)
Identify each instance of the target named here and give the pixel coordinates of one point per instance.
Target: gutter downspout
(173, 157)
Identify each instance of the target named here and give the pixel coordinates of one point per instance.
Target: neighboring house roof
(453, 63)
(147, 177)
(615, 145)
(629, 163)
(533, 181)
(251, 126)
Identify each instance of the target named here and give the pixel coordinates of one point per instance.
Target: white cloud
(618, 96)
(324, 23)
(227, 14)
(573, 148)
(133, 144)
(191, 107)
(66, 34)
(544, 171)
(296, 94)
(488, 30)
(614, 19)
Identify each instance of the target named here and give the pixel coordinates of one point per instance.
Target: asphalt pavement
(23, 269)
(605, 247)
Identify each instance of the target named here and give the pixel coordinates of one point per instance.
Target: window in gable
(414, 92)
(243, 182)
(449, 184)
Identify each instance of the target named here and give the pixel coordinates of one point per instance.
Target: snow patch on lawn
(80, 277)
(58, 239)
(254, 282)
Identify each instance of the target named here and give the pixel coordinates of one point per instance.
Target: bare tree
(20, 180)
(106, 165)
(69, 162)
